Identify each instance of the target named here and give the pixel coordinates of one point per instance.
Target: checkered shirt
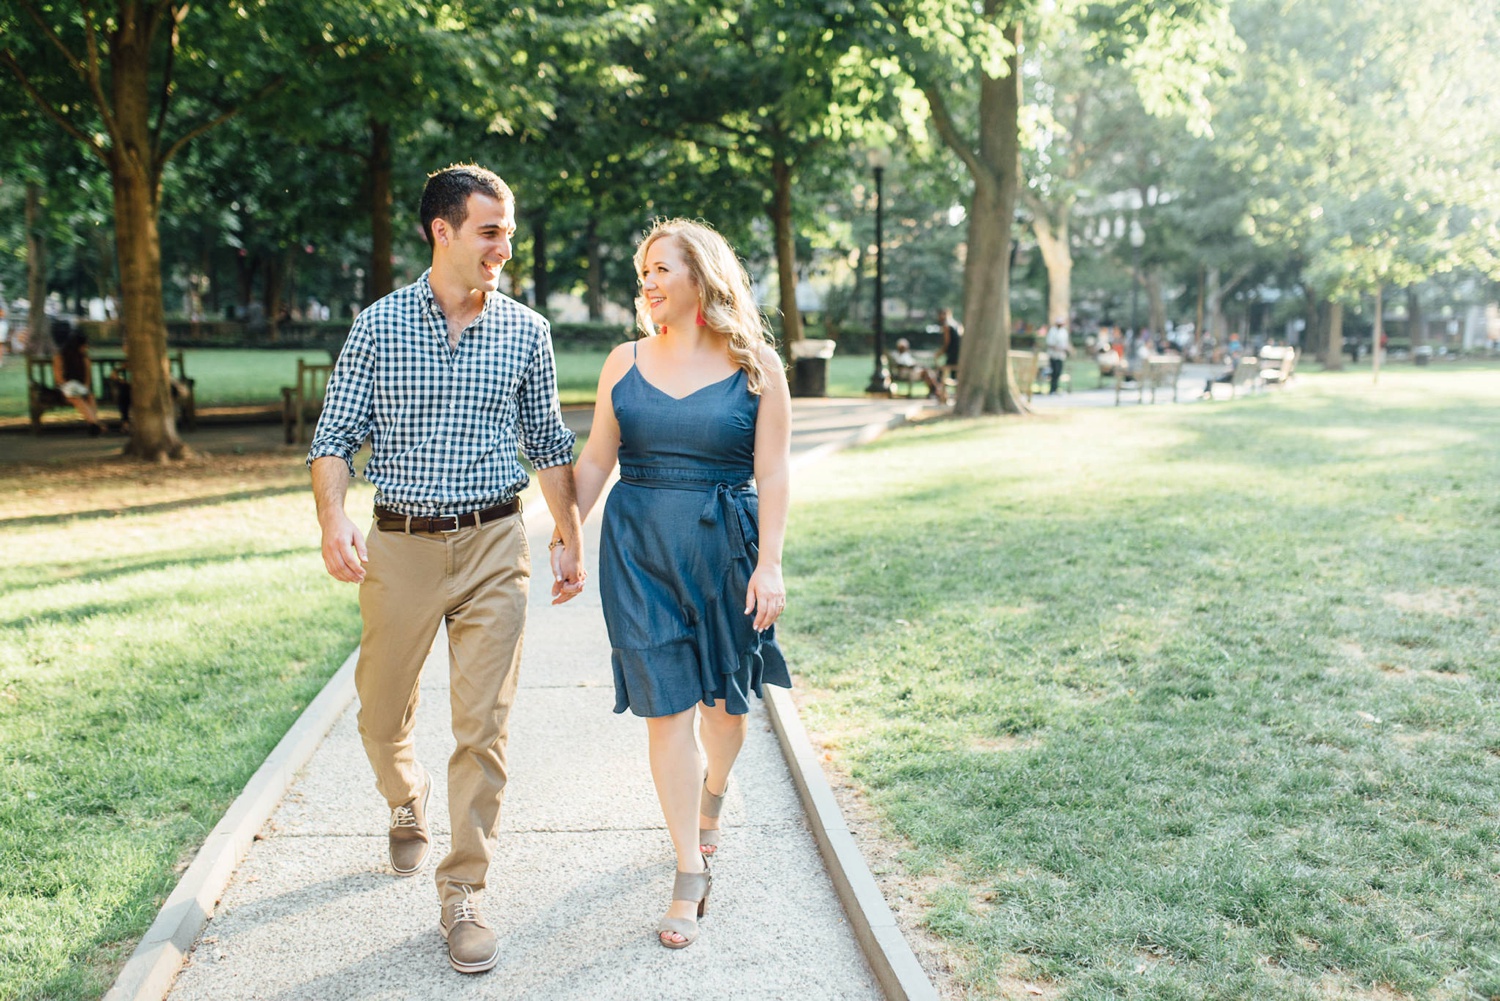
(445, 427)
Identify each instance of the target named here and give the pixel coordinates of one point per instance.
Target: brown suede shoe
(410, 840)
(472, 945)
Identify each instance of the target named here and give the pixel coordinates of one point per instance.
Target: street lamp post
(1137, 237)
(880, 380)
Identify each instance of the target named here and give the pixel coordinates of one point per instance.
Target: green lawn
(1177, 702)
(162, 629)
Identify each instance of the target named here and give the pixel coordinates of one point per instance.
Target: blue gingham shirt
(445, 426)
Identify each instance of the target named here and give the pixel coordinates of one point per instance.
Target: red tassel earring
(701, 322)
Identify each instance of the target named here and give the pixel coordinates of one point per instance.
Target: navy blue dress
(680, 541)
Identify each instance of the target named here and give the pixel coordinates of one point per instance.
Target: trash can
(1422, 355)
(810, 367)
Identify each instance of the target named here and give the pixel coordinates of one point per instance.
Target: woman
(71, 370)
(690, 562)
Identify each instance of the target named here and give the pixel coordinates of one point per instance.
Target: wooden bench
(42, 393)
(301, 404)
(109, 376)
(1246, 373)
(1110, 366)
(1023, 369)
(1155, 372)
(1276, 364)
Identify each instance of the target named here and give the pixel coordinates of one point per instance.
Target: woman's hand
(766, 596)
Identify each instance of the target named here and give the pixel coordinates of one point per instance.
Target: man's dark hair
(446, 195)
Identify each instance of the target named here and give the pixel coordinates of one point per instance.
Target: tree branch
(48, 109)
(166, 79)
(947, 130)
(52, 36)
(198, 130)
(93, 78)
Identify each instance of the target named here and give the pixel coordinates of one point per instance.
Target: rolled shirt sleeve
(348, 402)
(544, 437)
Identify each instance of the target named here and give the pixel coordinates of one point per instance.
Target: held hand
(568, 574)
(766, 596)
(344, 553)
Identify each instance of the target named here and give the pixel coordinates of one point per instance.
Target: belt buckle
(457, 524)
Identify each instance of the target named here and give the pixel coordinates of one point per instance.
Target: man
(904, 367)
(448, 378)
(1059, 346)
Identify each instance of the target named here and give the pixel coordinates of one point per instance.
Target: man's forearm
(561, 493)
(330, 480)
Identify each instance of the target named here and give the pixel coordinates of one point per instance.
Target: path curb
(153, 966)
(890, 956)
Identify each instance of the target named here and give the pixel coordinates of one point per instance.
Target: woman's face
(670, 292)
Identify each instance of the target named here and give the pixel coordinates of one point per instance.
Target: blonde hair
(724, 298)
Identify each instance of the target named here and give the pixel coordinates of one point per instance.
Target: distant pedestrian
(1059, 347)
(699, 421)
(448, 379)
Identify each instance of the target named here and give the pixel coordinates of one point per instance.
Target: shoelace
(403, 816)
(464, 910)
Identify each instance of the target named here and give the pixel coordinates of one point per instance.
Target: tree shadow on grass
(151, 507)
(45, 576)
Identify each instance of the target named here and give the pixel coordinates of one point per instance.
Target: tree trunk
(1416, 325)
(274, 270)
(1198, 317)
(541, 286)
(1333, 351)
(595, 295)
(1156, 308)
(1217, 324)
(984, 385)
(39, 340)
(137, 193)
(382, 274)
(786, 250)
(1057, 255)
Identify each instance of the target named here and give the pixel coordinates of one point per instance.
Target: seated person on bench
(72, 372)
(907, 369)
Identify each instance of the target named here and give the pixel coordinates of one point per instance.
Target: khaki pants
(476, 580)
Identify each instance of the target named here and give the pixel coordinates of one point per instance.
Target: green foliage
(1176, 702)
(1359, 150)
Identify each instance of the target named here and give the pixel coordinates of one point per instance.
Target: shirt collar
(429, 303)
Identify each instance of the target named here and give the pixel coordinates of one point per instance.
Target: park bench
(1155, 372)
(1110, 365)
(914, 382)
(301, 404)
(109, 374)
(1023, 369)
(1276, 364)
(1246, 373)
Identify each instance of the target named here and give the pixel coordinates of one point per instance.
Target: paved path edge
(153, 967)
(890, 956)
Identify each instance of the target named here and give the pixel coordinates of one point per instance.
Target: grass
(162, 629)
(1177, 702)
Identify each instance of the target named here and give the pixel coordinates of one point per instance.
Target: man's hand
(344, 553)
(568, 574)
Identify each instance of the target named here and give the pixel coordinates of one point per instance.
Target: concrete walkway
(584, 867)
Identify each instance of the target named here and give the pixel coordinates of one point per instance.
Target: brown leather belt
(393, 521)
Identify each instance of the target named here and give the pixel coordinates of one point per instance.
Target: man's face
(477, 250)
